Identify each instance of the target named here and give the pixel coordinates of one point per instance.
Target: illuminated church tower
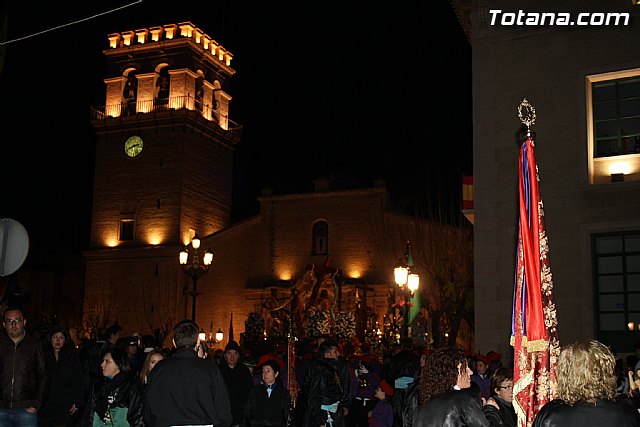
(164, 167)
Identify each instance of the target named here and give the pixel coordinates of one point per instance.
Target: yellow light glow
(111, 242)
(113, 110)
(355, 274)
(186, 29)
(142, 36)
(285, 275)
(631, 326)
(208, 258)
(400, 275)
(155, 240)
(127, 37)
(620, 167)
(156, 32)
(113, 40)
(169, 31)
(413, 282)
(144, 107)
(156, 235)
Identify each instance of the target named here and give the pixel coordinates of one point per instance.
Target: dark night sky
(376, 89)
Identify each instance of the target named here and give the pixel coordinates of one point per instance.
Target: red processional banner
(534, 323)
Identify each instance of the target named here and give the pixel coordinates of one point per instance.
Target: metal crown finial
(527, 114)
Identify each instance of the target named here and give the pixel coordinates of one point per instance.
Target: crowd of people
(126, 381)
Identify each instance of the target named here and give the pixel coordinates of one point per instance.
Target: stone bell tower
(164, 165)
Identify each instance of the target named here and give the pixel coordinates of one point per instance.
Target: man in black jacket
(324, 389)
(185, 389)
(238, 379)
(23, 375)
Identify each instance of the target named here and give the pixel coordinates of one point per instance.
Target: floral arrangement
(254, 325)
(345, 327)
(318, 322)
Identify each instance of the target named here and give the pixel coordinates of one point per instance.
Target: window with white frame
(613, 128)
(617, 280)
(616, 116)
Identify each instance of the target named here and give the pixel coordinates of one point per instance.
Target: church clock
(133, 146)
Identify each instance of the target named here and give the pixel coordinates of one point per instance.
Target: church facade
(163, 175)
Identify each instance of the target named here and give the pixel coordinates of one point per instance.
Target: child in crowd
(382, 414)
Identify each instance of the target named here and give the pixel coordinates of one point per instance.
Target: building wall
(272, 249)
(547, 66)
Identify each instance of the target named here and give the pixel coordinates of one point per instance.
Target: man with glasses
(23, 374)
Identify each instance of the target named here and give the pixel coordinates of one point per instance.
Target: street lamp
(195, 269)
(408, 283)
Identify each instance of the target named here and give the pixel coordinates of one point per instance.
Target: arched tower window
(199, 97)
(162, 88)
(320, 238)
(130, 92)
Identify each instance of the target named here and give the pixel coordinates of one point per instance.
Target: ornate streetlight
(408, 282)
(196, 268)
(214, 338)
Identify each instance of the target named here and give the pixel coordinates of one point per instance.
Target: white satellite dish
(14, 246)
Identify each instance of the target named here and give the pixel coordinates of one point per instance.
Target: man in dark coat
(185, 389)
(238, 379)
(324, 389)
(23, 373)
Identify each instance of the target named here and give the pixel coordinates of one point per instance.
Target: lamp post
(408, 282)
(195, 266)
(214, 338)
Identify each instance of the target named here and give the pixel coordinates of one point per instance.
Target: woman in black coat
(116, 400)
(69, 381)
(445, 393)
(586, 391)
(503, 414)
(268, 403)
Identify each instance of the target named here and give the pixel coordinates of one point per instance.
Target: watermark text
(522, 18)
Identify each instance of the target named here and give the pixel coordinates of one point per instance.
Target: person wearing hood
(238, 379)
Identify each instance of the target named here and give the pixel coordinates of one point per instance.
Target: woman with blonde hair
(153, 357)
(586, 390)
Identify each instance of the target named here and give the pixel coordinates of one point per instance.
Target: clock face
(133, 146)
